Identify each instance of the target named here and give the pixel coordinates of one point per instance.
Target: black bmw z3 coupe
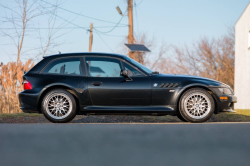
(65, 85)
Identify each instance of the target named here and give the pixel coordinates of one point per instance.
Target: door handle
(96, 83)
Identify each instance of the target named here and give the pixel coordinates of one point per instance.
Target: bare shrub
(207, 58)
(11, 84)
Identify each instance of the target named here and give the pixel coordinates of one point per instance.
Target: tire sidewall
(182, 109)
(66, 119)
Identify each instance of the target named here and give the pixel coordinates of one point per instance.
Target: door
(108, 88)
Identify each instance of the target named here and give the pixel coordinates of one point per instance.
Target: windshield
(147, 70)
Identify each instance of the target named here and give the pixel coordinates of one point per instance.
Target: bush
(11, 84)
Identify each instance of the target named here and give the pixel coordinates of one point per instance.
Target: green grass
(239, 116)
(19, 115)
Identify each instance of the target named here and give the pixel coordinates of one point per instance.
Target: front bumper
(228, 105)
(223, 105)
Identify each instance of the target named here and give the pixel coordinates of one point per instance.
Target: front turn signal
(223, 98)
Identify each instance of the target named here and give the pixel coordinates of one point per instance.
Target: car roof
(86, 53)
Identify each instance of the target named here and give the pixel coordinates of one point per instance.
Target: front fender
(195, 85)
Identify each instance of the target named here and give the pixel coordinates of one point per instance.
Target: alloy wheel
(58, 105)
(197, 105)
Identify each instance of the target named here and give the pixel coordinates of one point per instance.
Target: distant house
(242, 60)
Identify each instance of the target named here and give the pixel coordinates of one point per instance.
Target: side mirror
(124, 73)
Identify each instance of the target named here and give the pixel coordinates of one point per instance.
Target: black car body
(93, 81)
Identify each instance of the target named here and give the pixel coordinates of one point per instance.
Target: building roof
(243, 12)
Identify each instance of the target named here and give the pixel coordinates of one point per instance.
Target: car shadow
(222, 117)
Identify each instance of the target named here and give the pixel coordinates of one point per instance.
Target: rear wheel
(196, 105)
(59, 106)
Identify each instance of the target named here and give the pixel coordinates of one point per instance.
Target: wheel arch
(202, 86)
(58, 86)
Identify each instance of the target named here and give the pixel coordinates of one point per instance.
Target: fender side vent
(162, 85)
(175, 85)
(166, 85)
(169, 85)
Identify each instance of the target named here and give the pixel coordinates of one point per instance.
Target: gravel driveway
(93, 119)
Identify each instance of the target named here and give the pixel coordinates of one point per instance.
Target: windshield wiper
(154, 72)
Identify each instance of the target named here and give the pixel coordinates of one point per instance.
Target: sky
(176, 22)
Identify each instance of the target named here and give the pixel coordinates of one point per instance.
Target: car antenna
(59, 52)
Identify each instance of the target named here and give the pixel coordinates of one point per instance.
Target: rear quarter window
(65, 66)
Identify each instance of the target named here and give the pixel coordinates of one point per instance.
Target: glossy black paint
(117, 91)
(150, 94)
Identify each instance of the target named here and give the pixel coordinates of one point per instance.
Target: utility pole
(130, 22)
(90, 37)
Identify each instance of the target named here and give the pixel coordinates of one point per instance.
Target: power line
(68, 28)
(70, 22)
(111, 35)
(111, 29)
(47, 28)
(103, 41)
(65, 27)
(79, 13)
(114, 26)
(139, 3)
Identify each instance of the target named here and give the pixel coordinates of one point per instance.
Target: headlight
(225, 91)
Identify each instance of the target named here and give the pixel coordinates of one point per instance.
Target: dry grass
(11, 84)
(19, 115)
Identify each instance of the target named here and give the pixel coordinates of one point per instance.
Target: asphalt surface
(125, 144)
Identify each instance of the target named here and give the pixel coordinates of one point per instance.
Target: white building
(242, 60)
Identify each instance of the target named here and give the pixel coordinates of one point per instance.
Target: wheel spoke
(197, 105)
(58, 105)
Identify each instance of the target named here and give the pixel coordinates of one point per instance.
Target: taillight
(27, 85)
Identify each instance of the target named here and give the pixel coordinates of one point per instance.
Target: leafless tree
(23, 15)
(20, 17)
(212, 58)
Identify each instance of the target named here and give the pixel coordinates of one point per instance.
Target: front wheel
(196, 105)
(59, 106)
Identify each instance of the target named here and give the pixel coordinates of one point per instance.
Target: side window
(132, 72)
(66, 66)
(103, 67)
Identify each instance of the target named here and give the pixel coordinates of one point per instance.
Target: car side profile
(65, 85)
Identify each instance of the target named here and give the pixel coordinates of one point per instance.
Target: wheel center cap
(197, 105)
(58, 105)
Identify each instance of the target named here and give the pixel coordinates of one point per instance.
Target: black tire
(67, 117)
(203, 116)
(181, 118)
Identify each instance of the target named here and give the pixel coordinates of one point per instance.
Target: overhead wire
(63, 27)
(114, 26)
(103, 40)
(139, 3)
(70, 22)
(77, 26)
(80, 14)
